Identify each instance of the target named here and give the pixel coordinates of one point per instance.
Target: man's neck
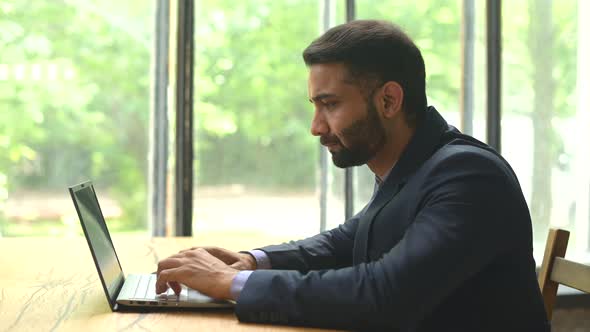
(389, 154)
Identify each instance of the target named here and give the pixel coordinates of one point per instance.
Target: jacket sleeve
(328, 250)
(454, 236)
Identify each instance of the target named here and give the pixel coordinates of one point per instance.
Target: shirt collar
(379, 180)
(429, 135)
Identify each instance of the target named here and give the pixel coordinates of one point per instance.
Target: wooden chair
(558, 270)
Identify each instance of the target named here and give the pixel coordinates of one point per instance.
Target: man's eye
(330, 105)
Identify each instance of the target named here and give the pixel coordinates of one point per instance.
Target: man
(445, 242)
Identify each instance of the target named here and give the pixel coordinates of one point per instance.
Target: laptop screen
(98, 238)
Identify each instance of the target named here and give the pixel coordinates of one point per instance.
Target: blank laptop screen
(98, 237)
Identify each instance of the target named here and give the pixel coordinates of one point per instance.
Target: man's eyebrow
(322, 96)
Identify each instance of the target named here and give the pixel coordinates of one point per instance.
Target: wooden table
(51, 284)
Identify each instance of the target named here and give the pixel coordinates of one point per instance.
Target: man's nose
(319, 126)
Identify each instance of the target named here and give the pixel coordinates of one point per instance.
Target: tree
(74, 89)
(75, 97)
(541, 33)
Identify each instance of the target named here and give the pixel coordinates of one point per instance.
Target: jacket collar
(427, 138)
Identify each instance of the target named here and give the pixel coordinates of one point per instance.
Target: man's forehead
(327, 79)
(328, 71)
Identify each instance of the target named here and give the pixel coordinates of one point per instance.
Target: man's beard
(364, 136)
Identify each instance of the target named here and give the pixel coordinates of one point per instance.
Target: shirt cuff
(238, 284)
(262, 259)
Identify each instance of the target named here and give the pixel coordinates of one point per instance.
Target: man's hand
(239, 261)
(197, 269)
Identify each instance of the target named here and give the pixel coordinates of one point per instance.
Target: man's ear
(392, 99)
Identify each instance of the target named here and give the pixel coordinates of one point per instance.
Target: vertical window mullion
(349, 171)
(326, 22)
(157, 182)
(494, 67)
(184, 119)
(468, 81)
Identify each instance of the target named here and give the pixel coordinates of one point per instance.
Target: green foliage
(75, 79)
(75, 97)
(252, 109)
(435, 27)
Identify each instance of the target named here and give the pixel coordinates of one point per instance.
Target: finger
(193, 249)
(189, 249)
(168, 263)
(224, 255)
(175, 287)
(238, 266)
(202, 254)
(168, 277)
(227, 256)
(179, 255)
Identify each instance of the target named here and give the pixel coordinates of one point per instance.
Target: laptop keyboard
(146, 291)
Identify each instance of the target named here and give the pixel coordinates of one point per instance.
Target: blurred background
(77, 84)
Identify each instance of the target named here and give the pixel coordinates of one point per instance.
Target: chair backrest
(558, 270)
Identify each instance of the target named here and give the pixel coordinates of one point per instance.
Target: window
(75, 101)
(436, 28)
(74, 91)
(255, 160)
(544, 123)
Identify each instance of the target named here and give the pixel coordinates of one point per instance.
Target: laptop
(136, 291)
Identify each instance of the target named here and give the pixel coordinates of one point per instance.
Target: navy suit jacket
(446, 245)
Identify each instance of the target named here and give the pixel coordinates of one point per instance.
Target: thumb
(238, 266)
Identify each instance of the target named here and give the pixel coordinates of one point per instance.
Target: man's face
(346, 121)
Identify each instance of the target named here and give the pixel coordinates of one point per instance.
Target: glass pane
(336, 199)
(336, 195)
(255, 160)
(364, 187)
(74, 91)
(544, 125)
(435, 26)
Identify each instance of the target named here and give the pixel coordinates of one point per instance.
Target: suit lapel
(423, 144)
(383, 195)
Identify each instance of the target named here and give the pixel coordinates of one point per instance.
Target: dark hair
(375, 52)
